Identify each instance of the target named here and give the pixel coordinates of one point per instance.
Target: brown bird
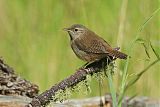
(88, 46)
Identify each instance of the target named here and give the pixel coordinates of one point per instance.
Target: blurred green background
(33, 43)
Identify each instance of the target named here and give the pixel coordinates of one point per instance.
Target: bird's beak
(66, 29)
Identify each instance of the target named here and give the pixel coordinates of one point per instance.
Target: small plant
(125, 84)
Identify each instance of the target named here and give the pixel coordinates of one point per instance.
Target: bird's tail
(118, 54)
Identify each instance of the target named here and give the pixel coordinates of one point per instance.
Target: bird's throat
(70, 36)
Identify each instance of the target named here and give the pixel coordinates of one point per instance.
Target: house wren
(88, 46)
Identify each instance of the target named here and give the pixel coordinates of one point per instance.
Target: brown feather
(89, 46)
(89, 42)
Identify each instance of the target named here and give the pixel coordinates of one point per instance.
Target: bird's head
(75, 31)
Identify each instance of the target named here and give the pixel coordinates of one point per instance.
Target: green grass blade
(137, 77)
(154, 50)
(124, 76)
(112, 89)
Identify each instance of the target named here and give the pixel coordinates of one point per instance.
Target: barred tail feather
(118, 54)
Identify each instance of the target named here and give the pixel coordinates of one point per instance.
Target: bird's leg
(89, 63)
(109, 59)
(85, 65)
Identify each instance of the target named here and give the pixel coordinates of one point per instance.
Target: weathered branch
(80, 75)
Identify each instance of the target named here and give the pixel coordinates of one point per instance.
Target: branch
(80, 75)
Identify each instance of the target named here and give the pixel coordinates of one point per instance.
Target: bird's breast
(79, 53)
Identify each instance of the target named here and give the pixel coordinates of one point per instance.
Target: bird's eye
(76, 29)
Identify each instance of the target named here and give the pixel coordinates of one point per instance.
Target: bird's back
(91, 43)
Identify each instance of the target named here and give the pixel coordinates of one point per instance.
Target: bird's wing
(97, 46)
